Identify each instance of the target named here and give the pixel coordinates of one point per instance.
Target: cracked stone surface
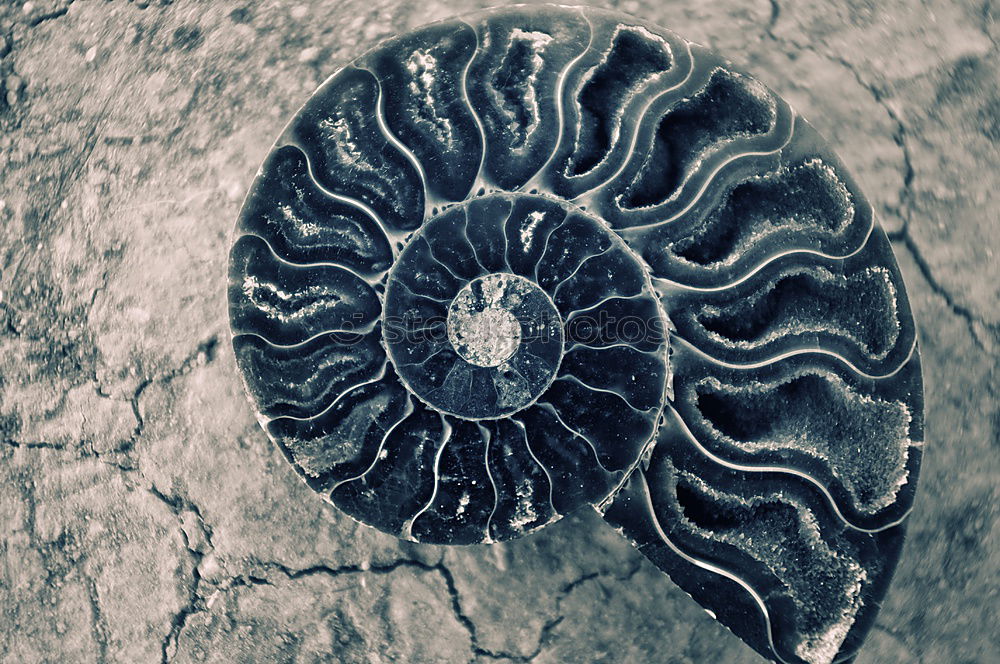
(145, 516)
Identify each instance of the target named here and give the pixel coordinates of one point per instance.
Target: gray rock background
(145, 517)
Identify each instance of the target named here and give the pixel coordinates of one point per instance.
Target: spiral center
(481, 327)
(470, 318)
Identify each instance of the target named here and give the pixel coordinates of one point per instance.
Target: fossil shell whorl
(452, 287)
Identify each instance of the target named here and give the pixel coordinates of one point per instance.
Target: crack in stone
(773, 19)
(440, 568)
(545, 635)
(960, 310)
(204, 354)
(906, 197)
(195, 603)
(56, 572)
(176, 626)
(99, 626)
(35, 21)
(83, 449)
(900, 135)
(250, 579)
(40, 445)
(986, 14)
(81, 452)
(467, 623)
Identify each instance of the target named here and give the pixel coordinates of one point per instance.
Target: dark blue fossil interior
(505, 266)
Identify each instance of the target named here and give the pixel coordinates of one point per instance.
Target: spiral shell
(504, 266)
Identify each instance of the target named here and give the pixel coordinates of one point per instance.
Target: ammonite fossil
(505, 266)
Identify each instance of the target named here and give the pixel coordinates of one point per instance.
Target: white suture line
(531, 452)
(715, 569)
(378, 453)
(393, 237)
(639, 125)
(371, 281)
(668, 283)
(579, 344)
(805, 350)
(485, 433)
(545, 247)
(749, 468)
(604, 301)
(407, 532)
(555, 288)
(503, 233)
(340, 396)
(402, 284)
(560, 84)
(477, 182)
(574, 379)
(367, 329)
(544, 405)
(430, 250)
(465, 232)
(427, 359)
(399, 145)
(710, 180)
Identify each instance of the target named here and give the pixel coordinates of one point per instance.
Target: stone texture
(322, 615)
(146, 517)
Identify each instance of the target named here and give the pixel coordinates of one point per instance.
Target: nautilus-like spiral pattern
(536, 258)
